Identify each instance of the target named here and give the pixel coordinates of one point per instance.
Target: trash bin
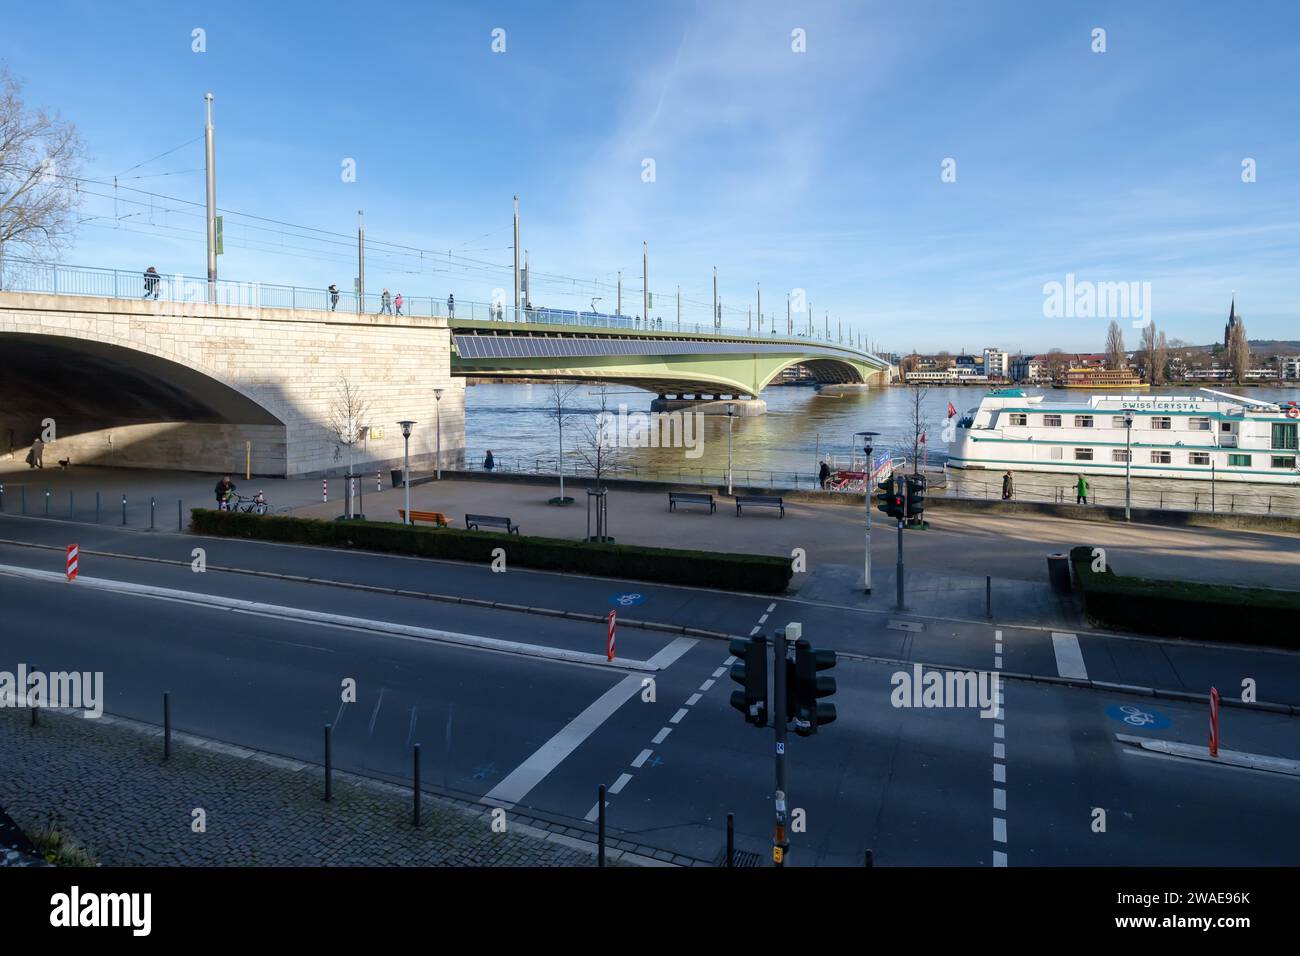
(397, 477)
(1058, 572)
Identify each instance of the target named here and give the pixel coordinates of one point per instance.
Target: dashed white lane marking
(677, 717)
(999, 752)
(641, 758)
(719, 672)
(999, 799)
(999, 858)
(620, 783)
(692, 700)
(997, 662)
(999, 759)
(755, 630)
(999, 731)
(728, 662)
(662, 735)
(770, 608)
(762, 620)
(1069, 656)
(594, 812)
(707, 684)
(999, 829)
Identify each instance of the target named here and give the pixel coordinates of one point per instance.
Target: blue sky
(818, 171)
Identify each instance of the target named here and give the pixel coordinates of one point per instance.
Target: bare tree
(1160, 360)
(1239, 352)
(1114, 346)
(559, 398)
(40, 159)
(1147, 351)
(346, 413)
(598, 448)
(920, 425)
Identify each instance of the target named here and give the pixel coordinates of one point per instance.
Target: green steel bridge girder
(731, 373)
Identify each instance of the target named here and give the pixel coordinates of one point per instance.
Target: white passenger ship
(1225, 437)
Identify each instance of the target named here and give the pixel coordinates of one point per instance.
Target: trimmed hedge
(729, 572)
(1190, 609)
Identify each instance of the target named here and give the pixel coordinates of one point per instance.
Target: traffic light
(805, 710)
(750, 671)
(888, 500)
(916, 485)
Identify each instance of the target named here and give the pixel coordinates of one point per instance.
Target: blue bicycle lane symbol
(627, 600)
(1135, 716)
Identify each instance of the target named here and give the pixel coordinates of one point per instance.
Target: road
(516, 727)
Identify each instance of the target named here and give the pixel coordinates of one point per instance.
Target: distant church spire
(1233, 320)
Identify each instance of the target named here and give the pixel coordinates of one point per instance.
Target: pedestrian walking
(397, 303)
(385, 303)
(1008, 486)
(151, 278)
(333, 291)
(36, 457)
(489, 462)
(451, 306)
(824, 474)
(1081, 491)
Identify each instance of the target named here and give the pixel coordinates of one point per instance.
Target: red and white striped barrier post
(379, 482)
(324, 489)
(72, 562)
(1214, 722)
(609, 637)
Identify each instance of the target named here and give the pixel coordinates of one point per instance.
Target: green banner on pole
(220, 238)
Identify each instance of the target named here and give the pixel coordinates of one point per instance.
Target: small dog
(64, 463)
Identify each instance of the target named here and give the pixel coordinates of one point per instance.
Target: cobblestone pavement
(104, 785)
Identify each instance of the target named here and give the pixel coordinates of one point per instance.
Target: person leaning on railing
(151, 278)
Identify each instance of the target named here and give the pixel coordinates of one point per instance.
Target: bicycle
(255, 505)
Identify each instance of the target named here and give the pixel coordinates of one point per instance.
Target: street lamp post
(731, 413)
(406, 465)
(437, 397)
(1128, 462)
(867, 440)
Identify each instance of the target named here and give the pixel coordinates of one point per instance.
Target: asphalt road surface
(1042, 780)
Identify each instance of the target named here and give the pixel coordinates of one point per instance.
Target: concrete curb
(1227, 758)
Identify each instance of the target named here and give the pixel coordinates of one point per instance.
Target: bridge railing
(28, 275)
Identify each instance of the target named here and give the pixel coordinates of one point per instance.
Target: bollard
(151, 504)
(2, 497)
(415, 783)
(23, 489)
(97, 507)
(988, 596)
(600, 826)
(123, 511)
(167, 725)
(731, 839)
(180, 521)
(329, 761)
(47, 501)
(868, 859)
(72, 506)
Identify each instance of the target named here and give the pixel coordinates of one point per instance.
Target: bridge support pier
(844, 388)
(745, 407)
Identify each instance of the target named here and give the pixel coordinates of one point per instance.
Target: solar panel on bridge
(528, 346)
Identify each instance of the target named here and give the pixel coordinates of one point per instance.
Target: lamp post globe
(406, 426)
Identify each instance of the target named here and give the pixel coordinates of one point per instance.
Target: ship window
(1119, 454)
(1083, 454)
(1198, 458)
(1052, 421)
(1160, 458)
(1284, 436)
(1017, 419)
(1117, 421)
(1058, 452)
(1162, 423)
(1284, 461)
(1198, 424)
(1239, 461)
(1082, 421)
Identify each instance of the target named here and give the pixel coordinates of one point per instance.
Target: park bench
(690, 498)
(433, 517)
(760, 501)
(478, 522)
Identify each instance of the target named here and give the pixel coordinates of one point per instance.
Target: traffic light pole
(899, 484)
(780, 844)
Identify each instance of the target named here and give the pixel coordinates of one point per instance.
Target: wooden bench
(760, 501)
(690, 498)
(433, 517)
(477, 522)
